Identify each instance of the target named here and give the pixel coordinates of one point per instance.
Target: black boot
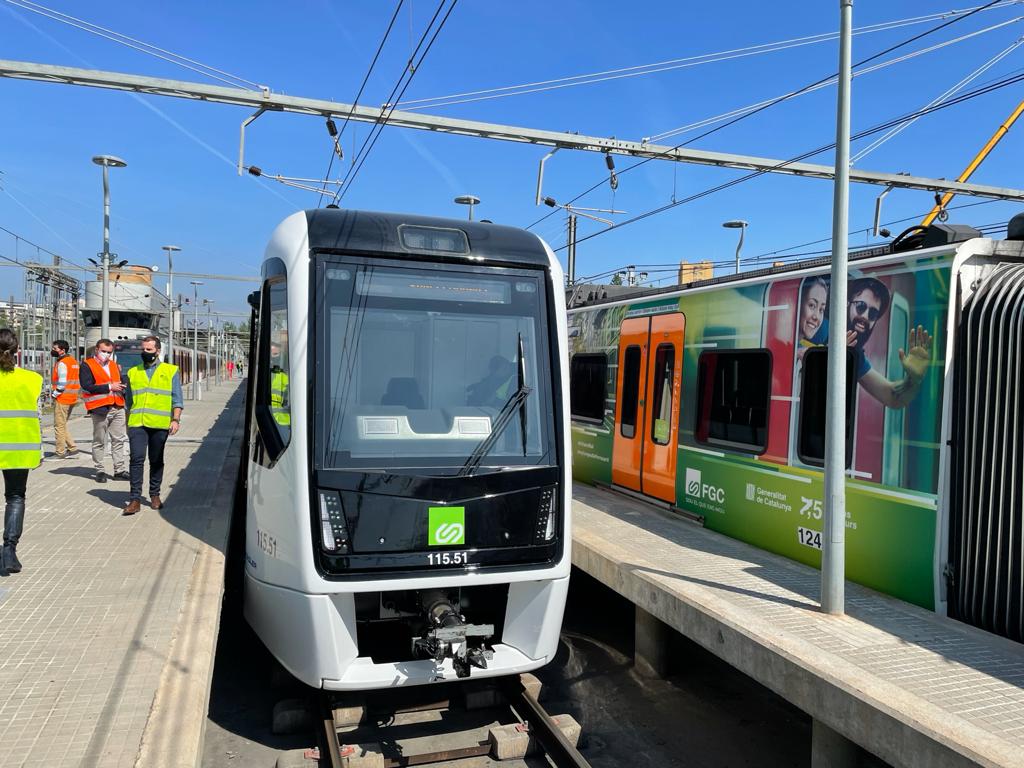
(14, 519)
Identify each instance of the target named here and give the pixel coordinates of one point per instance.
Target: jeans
(143, 440)
(111, 423)
(65, 442)
(15, 483)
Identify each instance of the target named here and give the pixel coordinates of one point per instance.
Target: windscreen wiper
(521, 373)
(517, 400)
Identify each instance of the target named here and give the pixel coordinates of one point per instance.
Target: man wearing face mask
(64, 390)
(154, 412)
(103, 386)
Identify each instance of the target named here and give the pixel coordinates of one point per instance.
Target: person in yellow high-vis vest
(154, 401)
(279, 406)
(20, 443)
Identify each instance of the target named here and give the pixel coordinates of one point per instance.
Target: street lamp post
(170, 300)
(741, 225)
(107, 161)
(469, 200)
(197, 391)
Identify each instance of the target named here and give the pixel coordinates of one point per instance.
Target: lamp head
(109, 161)
(735, 224)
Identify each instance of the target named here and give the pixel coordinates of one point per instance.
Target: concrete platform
(913, 688)
(107, 637)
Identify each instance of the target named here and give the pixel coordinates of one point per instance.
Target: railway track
(473, 725)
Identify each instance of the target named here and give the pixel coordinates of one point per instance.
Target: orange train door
(647, 404)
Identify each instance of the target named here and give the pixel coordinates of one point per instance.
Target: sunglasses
(861, 307)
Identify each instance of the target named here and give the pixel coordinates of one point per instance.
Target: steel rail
(556, 746)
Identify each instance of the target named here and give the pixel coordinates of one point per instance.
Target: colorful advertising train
(710, 400)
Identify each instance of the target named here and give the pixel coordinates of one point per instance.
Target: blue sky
(181, 186)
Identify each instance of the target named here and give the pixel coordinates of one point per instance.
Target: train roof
(937, 236)
(376, 232)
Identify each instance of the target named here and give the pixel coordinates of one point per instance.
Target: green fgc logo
(447, 526)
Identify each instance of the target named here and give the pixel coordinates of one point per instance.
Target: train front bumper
(314, 636)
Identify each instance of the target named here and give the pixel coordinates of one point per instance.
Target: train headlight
(333, 529)
(547, 515)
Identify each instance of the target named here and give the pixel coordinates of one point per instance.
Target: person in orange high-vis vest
(103, 387)
(64, 390)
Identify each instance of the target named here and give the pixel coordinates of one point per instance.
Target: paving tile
(86, 627)
(957, 673)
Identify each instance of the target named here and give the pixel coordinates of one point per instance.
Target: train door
(647, 404)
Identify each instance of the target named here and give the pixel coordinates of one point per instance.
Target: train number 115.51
(448, 558)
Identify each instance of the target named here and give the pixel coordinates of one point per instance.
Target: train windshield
(128, 358)
(420, 365)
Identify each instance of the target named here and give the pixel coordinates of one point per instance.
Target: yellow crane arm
(978, 159)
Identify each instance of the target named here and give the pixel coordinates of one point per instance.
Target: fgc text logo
(700, 490)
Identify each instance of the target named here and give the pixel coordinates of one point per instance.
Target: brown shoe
(132, 507)
(155, 503)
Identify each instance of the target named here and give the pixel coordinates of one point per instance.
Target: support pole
(833, 539)
(572, 249)
(105, 259)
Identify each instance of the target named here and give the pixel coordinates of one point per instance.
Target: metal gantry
(50, 312)
(264, 100)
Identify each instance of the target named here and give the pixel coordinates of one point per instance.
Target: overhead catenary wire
(136, 44)
(915, 217)
(831, 81)
(782, 254)
(893, 132)
(407, 74)
(870, 69)
(355, 102)
(754, 174)
(771, 104)
(411, 69)
(672, 64)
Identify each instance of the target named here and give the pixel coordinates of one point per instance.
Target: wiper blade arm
(521, 381)
(500, 422)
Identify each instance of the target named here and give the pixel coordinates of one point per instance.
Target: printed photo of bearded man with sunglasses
(868, 300)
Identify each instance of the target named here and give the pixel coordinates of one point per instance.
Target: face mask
(148, 357)
(54, 353)
(103, 356)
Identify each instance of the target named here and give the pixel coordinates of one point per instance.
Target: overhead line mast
(265, 100)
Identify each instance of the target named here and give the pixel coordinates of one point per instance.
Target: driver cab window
(273, 395)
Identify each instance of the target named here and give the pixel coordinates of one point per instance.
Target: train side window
(733, 396)
(664, 378)
(273, 386)
(630, 391)
(587, 379)
(813, 399)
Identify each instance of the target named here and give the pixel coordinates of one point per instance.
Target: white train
(408, 479)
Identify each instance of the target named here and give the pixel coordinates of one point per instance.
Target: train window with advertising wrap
(273, 388)
(587, 381)
(813, 402)
(664, 378)
(733, 395)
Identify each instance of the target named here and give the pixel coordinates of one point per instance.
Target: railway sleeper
(363, 730)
